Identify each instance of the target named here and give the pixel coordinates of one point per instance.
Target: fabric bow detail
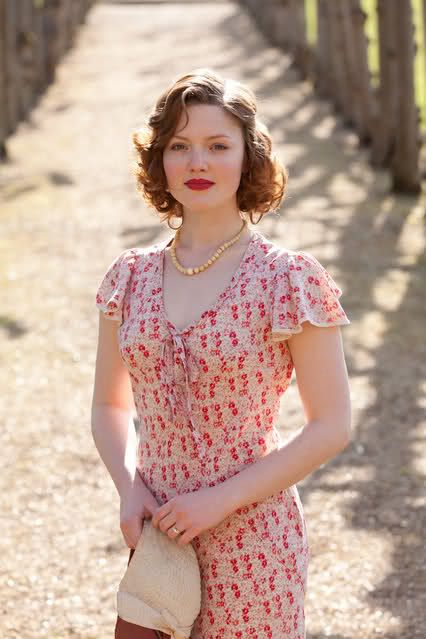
(175, 345)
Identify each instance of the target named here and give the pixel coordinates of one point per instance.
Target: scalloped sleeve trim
(304, 291)
(114, 284)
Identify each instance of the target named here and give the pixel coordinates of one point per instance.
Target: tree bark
(338, 81)
(386, 119)
(4, 121)
(11, 66)
(365, 105)
(33, 37)
(322, 65)
(405, 161)
(300, 49)
(350, 104)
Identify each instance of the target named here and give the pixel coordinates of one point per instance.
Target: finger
(167, 521)
(173, 534)
(160, 513)
(154, 515)
(185, 538)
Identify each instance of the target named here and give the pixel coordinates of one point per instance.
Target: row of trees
(385, 117)
(34, 35)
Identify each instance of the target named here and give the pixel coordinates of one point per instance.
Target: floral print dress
(207, 399)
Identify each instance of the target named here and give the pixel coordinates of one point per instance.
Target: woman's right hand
(136, 504)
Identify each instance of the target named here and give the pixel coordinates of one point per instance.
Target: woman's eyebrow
(209, 137)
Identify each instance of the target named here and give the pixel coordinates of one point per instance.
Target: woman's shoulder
(125, 268)
(135, 254)
(301, 289)
(281, 258)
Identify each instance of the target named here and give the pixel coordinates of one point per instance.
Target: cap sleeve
(304, 291)
(114, 284)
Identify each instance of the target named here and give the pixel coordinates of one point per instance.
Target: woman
(206, 354)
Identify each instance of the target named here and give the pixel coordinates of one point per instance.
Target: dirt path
(69, 205)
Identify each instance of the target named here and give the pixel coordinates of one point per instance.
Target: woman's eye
(173, 147)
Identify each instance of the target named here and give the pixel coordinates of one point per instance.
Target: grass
(369, 7)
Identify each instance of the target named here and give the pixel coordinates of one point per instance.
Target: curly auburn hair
(263, 183)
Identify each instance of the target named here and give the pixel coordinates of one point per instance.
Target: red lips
(198, 182)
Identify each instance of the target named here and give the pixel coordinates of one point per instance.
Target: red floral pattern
(207, 399)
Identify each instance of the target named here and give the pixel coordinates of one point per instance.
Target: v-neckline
(219, 299)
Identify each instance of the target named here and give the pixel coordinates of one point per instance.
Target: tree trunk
(33, 38)
(53, 37)
(25, 46)
(338, 81)
(364, 98)
(11, 66)
(424, 67)
(386, 120)
(322, 64)
(300, 49)
(279, 27)
(4, 123)
(350, 102)
(39, 61)
(405, 161)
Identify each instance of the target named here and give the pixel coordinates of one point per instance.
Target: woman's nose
(197, 159)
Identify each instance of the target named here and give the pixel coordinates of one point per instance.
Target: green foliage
(311, 20)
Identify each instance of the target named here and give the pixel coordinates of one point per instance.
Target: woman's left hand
(192, 513)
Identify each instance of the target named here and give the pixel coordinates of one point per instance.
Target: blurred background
(341, 85)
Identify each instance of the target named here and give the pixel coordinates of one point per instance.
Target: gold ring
(176, 530)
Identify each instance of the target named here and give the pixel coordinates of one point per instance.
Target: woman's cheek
(172, 170)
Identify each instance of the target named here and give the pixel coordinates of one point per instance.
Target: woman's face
(190, 154)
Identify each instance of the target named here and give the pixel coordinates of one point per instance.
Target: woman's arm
(322, 380)
(112, 406)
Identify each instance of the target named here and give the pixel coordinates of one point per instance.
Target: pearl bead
(198, 269)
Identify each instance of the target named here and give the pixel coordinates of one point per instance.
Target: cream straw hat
(161, 587)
